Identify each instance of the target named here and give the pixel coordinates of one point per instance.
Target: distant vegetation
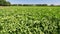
(6, 3)
(29, 5)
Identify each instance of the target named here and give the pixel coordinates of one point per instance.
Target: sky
(56, 2)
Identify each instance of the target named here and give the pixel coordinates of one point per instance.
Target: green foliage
(4, 3)
(29, 20)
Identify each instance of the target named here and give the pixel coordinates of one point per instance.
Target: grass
(29, 20)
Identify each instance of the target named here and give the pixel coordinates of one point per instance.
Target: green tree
(4, 3)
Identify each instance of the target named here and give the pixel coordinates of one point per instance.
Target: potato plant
(29, 20)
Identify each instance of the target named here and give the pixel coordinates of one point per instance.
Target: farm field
(29, 20)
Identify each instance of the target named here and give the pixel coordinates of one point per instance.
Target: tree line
(6, 3)
(29, 4)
